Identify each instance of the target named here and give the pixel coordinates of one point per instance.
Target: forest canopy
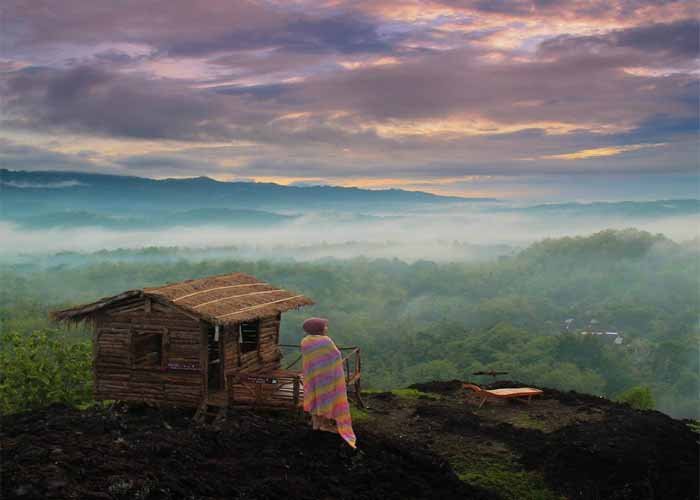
(424, 320)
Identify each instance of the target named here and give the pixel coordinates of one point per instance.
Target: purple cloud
(357, 89)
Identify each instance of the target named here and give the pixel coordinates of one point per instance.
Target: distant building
(613, 337)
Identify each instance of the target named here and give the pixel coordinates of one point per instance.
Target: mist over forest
(428, 290)
(51, 212)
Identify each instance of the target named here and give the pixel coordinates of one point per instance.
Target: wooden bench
(518, 393)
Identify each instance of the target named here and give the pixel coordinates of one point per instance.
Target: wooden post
(238, 344)
(358, 372)
(204, 357)
(164, 349)
(130, 338)
(295, 393)
(222, 358)
(95, 352)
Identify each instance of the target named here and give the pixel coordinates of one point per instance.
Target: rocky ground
(429, 441)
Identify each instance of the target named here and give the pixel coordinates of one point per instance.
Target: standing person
(325, 394)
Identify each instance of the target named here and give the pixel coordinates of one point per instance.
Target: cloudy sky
(510, 98)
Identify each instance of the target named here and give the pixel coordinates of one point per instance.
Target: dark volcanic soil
(563, 445)
(142, 453)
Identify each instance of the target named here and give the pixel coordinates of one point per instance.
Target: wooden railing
(352, 365)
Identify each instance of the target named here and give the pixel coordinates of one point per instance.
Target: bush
(42, 368)
(639, 398)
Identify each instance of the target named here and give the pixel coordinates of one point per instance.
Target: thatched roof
(227, 298)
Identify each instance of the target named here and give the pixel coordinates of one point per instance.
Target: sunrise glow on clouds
(443, 96)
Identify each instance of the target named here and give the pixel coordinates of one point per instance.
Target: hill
(222, 217)
(29, 192)
(422, 442)
(628, 209)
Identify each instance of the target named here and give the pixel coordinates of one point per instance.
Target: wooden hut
(206, 342)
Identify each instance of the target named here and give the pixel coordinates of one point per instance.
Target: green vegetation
(511, 485)
(421, 321)
(359, 415)
(413, 394)
(638, 397)
(495, 467)
(43, 367)
(525, 421)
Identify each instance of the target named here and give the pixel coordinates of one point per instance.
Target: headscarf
(314, 326)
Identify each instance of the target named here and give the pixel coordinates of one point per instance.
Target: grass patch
(694, 426)
(359, 415)
(94, 404)
(372, 391)
(494, 467)
(511, 485)
(413, 394)
(525, 421)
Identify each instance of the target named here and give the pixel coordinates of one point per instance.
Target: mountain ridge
(48, 190)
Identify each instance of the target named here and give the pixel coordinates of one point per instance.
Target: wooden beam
(164, 349)
(131, 347)
(204, 357)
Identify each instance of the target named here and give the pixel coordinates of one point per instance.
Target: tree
(638, 397)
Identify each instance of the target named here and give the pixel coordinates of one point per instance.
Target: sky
(520, 99)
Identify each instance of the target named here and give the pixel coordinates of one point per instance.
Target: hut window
(249, 336)
(147, 350)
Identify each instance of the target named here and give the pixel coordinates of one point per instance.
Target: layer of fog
(448, 236)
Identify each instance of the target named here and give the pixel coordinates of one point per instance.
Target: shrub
(43, 367)
(638, 397)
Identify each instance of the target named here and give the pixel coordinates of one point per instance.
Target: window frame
(163, 341)
(246, 347)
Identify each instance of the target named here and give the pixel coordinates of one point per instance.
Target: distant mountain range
(26, 193)
(42, 200)
(157, 219)
(641, 209)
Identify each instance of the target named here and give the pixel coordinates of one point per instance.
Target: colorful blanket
(325, 393)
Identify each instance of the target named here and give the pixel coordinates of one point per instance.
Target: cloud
(564, 9)
(671, 43)
(25, 157)
(586, 90)
(168, 165)
(361, 90)
(345, 34)
(92, 100)
(585, 154)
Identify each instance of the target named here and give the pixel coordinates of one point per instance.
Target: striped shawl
(325, 393)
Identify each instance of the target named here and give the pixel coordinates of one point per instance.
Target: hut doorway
(215, 359)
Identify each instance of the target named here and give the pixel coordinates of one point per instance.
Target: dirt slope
(426, 442)
(144, 453)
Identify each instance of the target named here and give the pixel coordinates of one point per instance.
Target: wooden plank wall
(266, 358)
(180, 384)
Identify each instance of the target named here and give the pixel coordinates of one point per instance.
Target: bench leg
(483, 400)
